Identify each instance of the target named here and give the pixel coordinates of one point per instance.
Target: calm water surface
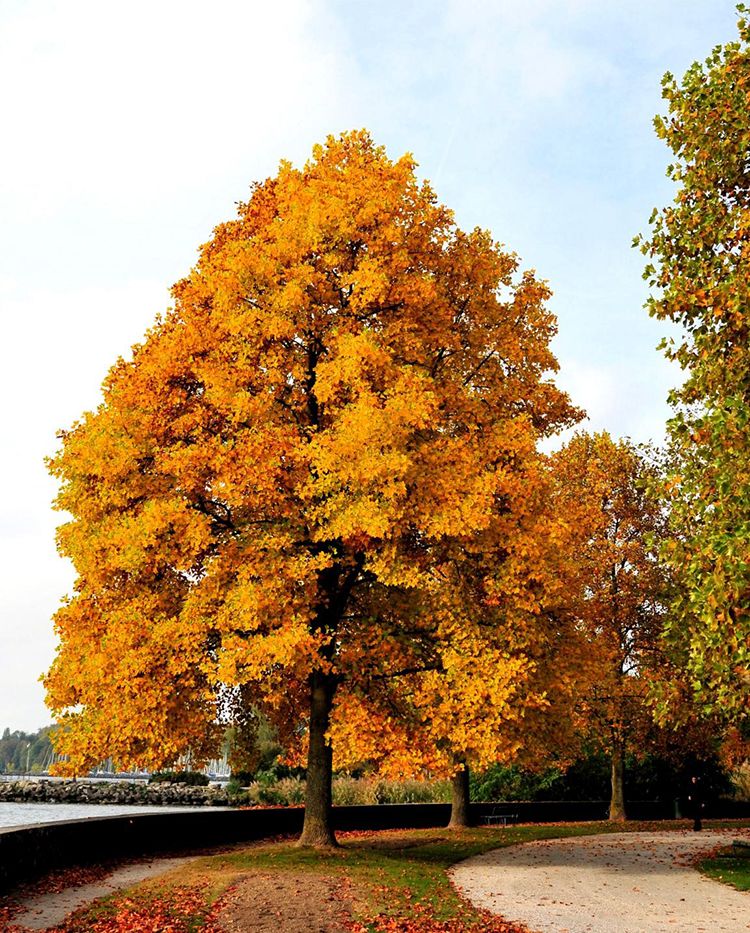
(25, 814)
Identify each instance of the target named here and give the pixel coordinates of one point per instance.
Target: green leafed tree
(699, 270)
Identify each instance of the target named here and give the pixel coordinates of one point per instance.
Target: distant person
(695, 802)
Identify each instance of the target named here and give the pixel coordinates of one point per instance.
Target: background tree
(700, 273)
(605, 489)
(270, 488)
(26, 752)
(251, 742)
(507, 669)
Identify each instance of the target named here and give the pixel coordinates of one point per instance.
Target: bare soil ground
(271, 903)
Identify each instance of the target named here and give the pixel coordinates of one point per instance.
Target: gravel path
(614, 883)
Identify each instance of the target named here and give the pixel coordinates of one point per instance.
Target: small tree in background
(605, 487)
(502, 688)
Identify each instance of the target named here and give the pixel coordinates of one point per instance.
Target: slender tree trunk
(617, 802)
(317, 830)
(460, 817)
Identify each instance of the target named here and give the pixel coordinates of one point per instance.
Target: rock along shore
(114, 792)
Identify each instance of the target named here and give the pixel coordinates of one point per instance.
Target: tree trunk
(617, 803)
(317, 830)
(460, 818)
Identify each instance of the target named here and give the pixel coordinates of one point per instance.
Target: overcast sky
(130, 130)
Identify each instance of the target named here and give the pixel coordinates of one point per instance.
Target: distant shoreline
(122, 791)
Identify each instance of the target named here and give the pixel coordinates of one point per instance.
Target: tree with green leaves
(699, 270)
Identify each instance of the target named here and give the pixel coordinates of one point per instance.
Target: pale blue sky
(130, 130)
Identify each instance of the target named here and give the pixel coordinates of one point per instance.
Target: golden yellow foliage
(343, 402)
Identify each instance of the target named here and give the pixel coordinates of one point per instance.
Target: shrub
(286, 792)
(349, 791)
(193, 778)
(290, 790)
(509, 782)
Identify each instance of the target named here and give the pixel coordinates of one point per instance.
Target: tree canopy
(700, 272)
(342, 404)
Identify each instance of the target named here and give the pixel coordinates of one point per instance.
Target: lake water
(26, 814)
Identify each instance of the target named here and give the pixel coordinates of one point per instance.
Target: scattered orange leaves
(423, 921)
(7, 912)
(179, 910)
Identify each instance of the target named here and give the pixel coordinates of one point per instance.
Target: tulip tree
(607, 488)
(699, 267)
(267, 496)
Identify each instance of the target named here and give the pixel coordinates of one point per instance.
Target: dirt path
(285, 902)
(615, 883)
(41, 911)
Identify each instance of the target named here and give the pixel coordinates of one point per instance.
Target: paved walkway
(42, 911)
(613, 883)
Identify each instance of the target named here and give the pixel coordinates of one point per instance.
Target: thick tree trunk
(317, 830)
(617, 802)
(460, 817)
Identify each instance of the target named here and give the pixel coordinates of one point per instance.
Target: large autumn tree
(607, 489)
(699, 268)
(266, 498)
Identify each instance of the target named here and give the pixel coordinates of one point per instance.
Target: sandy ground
(614, 883)
(47, 910)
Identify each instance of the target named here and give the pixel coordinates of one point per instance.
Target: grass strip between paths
(730, 865)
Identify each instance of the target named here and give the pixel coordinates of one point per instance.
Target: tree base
(316, 844)
(317, 838)
(458, 825)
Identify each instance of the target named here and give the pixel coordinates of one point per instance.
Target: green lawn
(731, 865)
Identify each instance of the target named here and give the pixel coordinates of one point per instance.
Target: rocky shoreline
(114, 792)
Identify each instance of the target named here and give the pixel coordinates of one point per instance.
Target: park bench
(499, 816)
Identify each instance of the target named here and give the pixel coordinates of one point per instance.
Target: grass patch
(730, 865)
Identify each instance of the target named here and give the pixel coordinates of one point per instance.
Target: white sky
(129, 131)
